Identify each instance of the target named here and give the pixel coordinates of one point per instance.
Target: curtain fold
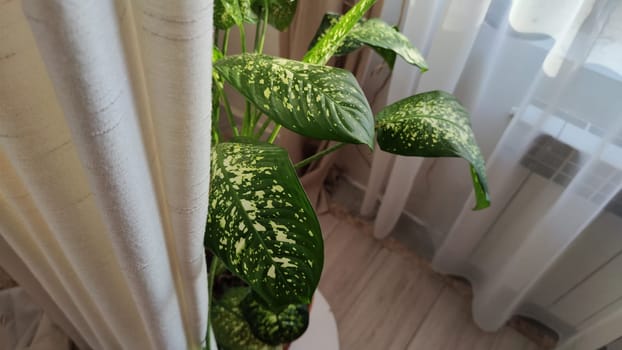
(104, 128)
(542, 83)
(16, 267)
(555, 176)
(445, 32)
(176, 54)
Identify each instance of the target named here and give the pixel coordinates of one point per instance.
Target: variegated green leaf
(261, 224)
(433, 124)
(275, 328)
(281, 12)
(228, 13)
(386, 40)
(333, 38)
(312, 100)
(348, 45)
(231, 330)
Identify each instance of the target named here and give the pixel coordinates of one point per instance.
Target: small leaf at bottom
(275, 328)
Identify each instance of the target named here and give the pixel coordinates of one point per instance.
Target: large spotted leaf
(312, 100)
(271, 327)
(377, 34)
(433, 124)
(261, 224)
(280, 12)
(228, 13)
(231, 330)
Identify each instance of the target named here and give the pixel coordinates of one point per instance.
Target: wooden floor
(384, 297)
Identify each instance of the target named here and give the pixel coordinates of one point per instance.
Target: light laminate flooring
(386, 298)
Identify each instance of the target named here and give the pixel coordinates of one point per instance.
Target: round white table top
(322, 331)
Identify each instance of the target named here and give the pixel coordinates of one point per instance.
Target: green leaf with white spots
(433, 124)
(386, 40)
(275, 328)
(348, 45)
(261, 224)
(231, 330)
(312, 100)
(332, 39)
(382, 37)
(281, 12)
(228, 13)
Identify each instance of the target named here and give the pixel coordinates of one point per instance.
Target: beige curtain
(104, 165)
(294, 43)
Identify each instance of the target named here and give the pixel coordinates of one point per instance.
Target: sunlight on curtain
(104, 134)
(557, 19)
(445, 35)
(542, 82)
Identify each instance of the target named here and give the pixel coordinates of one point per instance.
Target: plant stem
(263, 128)
(246, 123)
(250, 118)
(264, 26)
(246, 130)
(319, 155)
(236, 132)
(215, 128)
(215, 113)
(210, 296)
(225, 47)
(215, 136)
(225, 42)
(242, 37)
(275, 133)
(257, 33)
(254, 120)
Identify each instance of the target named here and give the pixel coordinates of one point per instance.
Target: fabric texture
(542, 83)
(24, 325)
(104, 135)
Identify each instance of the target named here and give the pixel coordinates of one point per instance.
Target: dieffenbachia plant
(261, 226)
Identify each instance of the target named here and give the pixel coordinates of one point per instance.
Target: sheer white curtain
(104, 165)
(543, 81)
